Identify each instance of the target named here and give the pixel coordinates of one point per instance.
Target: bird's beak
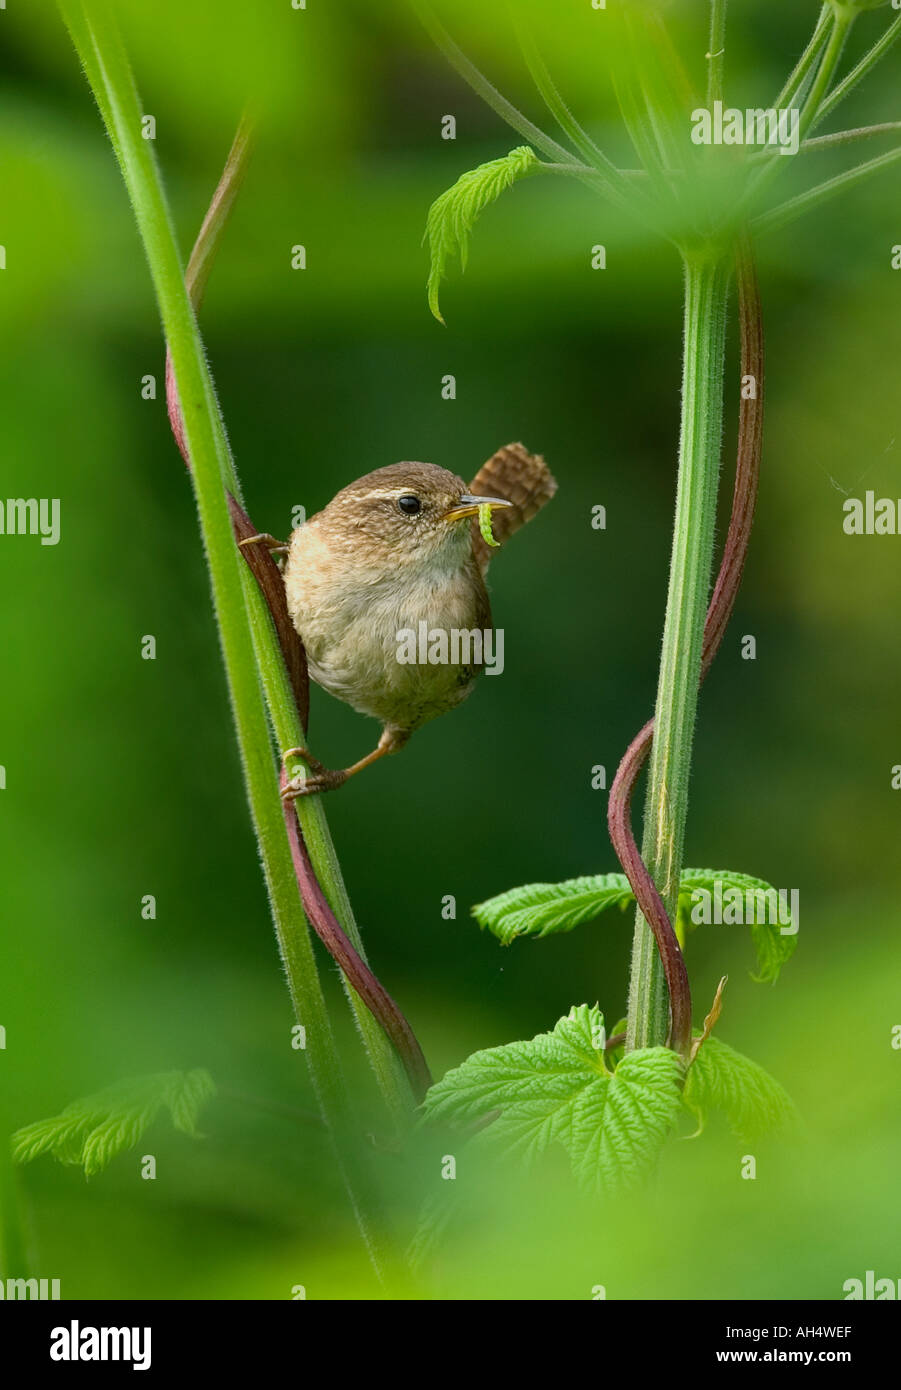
(469, 506)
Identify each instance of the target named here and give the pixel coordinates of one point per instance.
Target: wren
(398, 548)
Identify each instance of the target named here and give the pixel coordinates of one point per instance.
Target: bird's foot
(274, 546)
(309, 782)
(326, 779)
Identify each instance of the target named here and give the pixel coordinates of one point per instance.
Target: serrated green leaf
(92, 1131)
(537, 909)
(556, 1088)
(772, 947)
(724, 1080)
(452, 216)
(773, 950)
(619, 1128)
(186, 1096)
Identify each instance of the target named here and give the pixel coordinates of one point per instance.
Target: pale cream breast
(352, 618)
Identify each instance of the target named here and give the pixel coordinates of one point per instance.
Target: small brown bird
(394, 561)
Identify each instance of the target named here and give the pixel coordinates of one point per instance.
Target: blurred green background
(122, 777)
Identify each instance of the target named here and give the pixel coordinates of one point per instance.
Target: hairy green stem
(106, 66)
(811, 111)
(610, 177)
(279, 653)
(644, 119)
(868, 61)
(392, 1079)
(818, 105)
(485, 89)
(805, 202)
(716, 55)
(826, 44)
(706, 285)
(851, 137)
(599, 175)
(799, 75)
(630, 97)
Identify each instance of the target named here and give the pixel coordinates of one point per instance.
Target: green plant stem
(640, 109)
(805, 202)
(868, 61)
(276, 649)
(392, 1075)
(597, 176)
(715, 68)
(812, 109)
(271, 653)
(851, 137)
(485, 89)
(797, 78)
(706, 284)
(653, 91)
(203, 252)
(610, 177)
(106, 66)
(816, 109)
(358, 974)
(393, 1081)
(834, 33)
(630, 97)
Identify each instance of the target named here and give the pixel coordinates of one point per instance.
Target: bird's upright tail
(522, 478)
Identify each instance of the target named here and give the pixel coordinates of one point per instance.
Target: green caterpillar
(485, 524)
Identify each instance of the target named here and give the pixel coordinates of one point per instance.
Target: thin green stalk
(812, 108)
(798, 76)
(106, 66)
(805, 202)
(203, 252)
(716, 57)
(706, 284)
(280, 696)
(549, 92)
(684, 94)
(485, 89)
(818, 106)
(595, 175)
(633, 109)
(653, 95)
(851, 137)
(837, 28)
(661, 153)
(390, 1075)
(868, 61)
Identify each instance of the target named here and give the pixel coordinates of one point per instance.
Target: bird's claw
(308, 783)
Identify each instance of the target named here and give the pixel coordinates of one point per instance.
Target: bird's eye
(409, 504)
